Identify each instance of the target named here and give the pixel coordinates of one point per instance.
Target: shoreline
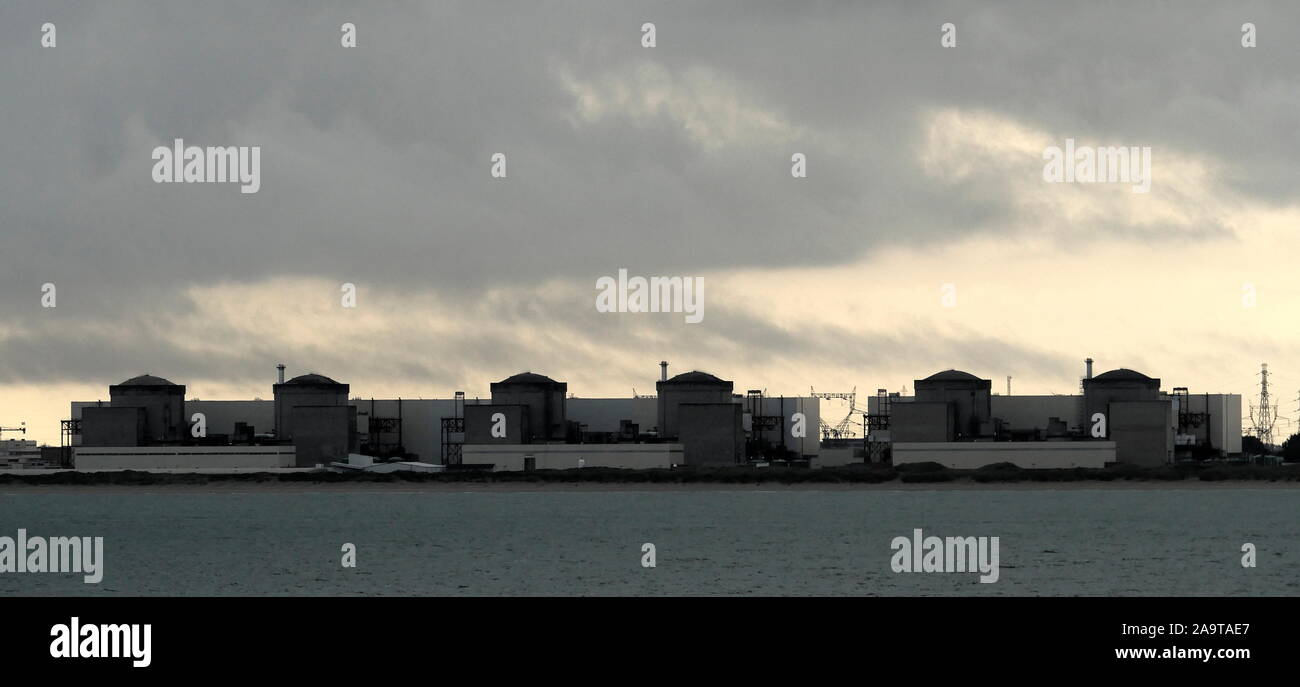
(634, 487)
(910, 477)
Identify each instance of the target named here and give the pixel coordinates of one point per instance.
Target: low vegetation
(917, 473)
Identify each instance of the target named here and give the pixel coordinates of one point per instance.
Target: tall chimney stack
(280, 367)
(1088, 372)
(663, 370)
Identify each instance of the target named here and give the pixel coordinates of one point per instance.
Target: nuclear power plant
(531, 421)
(695, 419)
(1120, 416)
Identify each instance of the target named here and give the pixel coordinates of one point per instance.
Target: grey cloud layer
(375, 160)
(587, 348)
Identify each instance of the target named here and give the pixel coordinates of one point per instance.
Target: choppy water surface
(1069, 542)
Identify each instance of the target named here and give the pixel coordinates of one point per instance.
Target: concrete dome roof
(952, 376)
(528, 378)
(1123, 374)
(146, 380)
(311, 378)
(695, 377)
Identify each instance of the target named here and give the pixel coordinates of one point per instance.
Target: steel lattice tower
(1263, 415)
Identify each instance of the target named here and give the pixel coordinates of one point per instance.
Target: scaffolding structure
(451, 446)
(67, 430)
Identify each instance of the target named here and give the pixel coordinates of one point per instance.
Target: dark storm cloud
(375, 160)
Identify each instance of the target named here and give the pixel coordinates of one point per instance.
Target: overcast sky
(924, 169)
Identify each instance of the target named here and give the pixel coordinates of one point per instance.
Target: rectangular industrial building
(1025, 454)
(1146, 426)
(504, 457)
(183, 457)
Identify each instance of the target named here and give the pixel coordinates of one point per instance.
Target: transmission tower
(844, 429)
(1263, 415)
